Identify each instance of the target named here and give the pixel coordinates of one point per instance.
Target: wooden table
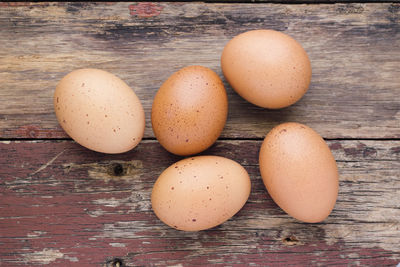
(62, 204)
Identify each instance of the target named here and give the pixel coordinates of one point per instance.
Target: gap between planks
(283, 2)
(6, 140)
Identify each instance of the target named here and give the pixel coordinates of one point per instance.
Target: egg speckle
(267, 68)
(99, 111)
(189, 110)
(299, 172)
(189, 195)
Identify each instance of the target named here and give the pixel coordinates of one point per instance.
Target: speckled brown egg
(199, 193)
(299, 172)
(99, 111)
(189, 110)
(267, 68)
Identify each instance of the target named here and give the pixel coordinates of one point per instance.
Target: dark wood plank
(354, 50)
(63, 204)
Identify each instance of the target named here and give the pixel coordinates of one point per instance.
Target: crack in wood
(48, 163)
(92, 208)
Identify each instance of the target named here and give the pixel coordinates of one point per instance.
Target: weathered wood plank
(354, 50)
(63, 204)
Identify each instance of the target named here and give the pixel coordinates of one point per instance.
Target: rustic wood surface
(62, 204)
(354, 50)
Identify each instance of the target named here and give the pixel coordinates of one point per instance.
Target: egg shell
(189, 110)
(200, 192)
(267, 68)
(299, 172)
(99, 111)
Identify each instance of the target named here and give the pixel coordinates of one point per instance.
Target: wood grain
(65, 205)
(354, 50)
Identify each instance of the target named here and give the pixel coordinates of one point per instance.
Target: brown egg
(189, 110)
(99, 111)
(267, 68)
(299, 172)
(200, 192)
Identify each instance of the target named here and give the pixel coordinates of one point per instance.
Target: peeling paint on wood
(64, 214)
(63, 205)
(109, 169)
(145, 9)
(45, 256)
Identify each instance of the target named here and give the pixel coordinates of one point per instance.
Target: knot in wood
(118, 169)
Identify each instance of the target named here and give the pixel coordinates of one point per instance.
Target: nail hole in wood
(117, 263)
(290, 241)
(118, 169)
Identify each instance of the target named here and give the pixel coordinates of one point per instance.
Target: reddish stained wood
(145, 9)
(74, 211)
(32, 131)
(62, 204)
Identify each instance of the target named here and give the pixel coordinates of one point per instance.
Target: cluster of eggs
(267, 68)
